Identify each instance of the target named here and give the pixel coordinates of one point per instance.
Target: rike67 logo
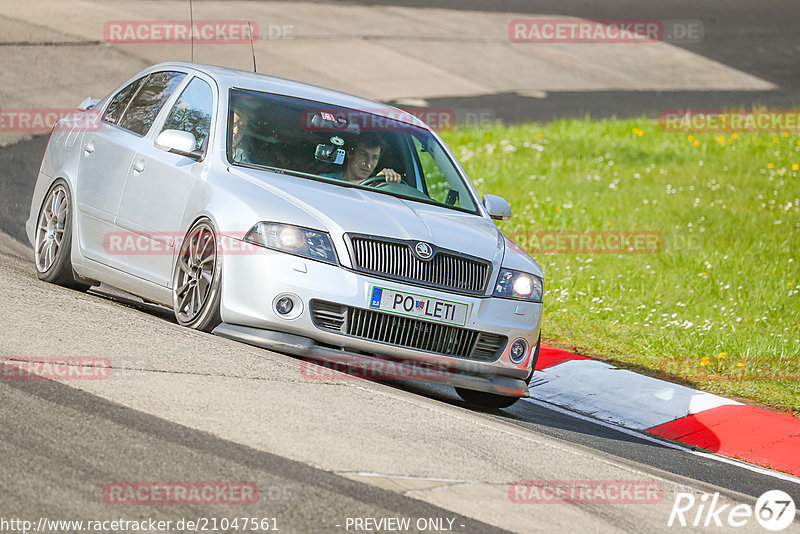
(774, 510)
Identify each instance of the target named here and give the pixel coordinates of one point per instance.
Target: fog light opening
(287, 306)
(284, 306)
(519, 350)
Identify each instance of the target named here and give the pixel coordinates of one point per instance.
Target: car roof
(232, 78)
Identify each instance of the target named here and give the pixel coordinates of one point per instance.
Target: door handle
(88, 148)
(138, 166)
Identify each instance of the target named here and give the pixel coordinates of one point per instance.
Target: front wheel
(197, 279)
(486, 400)
(53, 239)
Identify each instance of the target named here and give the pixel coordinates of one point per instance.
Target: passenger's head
(238, 126)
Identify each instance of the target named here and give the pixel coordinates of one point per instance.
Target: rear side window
(148, 101)
(120, 101)
(192, 112)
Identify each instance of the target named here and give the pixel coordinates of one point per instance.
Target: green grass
(719, 306)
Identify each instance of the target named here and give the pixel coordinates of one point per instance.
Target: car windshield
(343, 146)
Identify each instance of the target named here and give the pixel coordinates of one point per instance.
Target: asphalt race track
(186, 406)
(68, 440)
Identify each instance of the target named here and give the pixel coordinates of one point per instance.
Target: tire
(52, 245)
(197, 279)
(486, 400)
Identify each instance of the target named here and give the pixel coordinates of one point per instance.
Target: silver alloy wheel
(197, 263)
(50, 228)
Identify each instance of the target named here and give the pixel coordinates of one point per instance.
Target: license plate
(420, 306)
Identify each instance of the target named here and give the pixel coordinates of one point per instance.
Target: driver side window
(439, 177)
(432, 176)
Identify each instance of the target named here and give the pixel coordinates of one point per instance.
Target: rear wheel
(486, 400)
(53, 239)
(197, 279)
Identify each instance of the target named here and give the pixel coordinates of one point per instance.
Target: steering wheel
(374, 180)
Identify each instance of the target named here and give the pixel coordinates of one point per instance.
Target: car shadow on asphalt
(132, 301)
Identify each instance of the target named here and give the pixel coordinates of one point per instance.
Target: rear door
(107, 154)
(159, 183)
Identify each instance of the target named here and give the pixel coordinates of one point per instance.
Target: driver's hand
(390, 175)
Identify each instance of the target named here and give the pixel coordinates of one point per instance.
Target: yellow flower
(696, 143)
(798, 143)
(539, 135)
(735, 136)
(558, 208)
(770, 165)
(776, 140)
(704, 360)
(608, 223)
(721, 355)
(788, 283)
(786, 134)
(691, 138)
(740, 364)
(638, 132)
(795, 167)
(721, 139)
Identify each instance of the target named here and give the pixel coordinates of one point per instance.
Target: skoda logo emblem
(423, 250)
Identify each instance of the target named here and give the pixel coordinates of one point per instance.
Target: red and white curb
(668, 410)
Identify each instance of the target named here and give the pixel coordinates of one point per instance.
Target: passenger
(241, 145)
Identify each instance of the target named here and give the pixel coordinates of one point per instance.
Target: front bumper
(253, 280)
(370, 366)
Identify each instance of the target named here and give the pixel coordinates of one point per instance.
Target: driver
(362, 160)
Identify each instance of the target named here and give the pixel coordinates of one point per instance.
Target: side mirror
(497, 207)
(88, 103)
(178, 142)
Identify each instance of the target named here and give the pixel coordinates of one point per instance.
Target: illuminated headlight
(293, 240)
(519, 285)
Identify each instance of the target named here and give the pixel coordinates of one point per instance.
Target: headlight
(293, 240)
(519, 285)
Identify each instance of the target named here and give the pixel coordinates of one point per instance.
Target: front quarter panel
(236, 202)
(516, 258)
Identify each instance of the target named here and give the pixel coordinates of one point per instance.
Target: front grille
(396, 260)
(406, 332)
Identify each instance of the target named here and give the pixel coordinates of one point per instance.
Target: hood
(340, 210)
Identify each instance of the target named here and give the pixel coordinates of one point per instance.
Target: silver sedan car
(294, 218)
